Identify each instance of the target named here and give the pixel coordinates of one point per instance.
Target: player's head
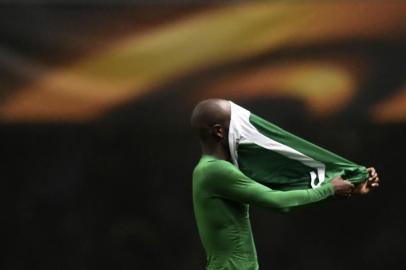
(210, 120)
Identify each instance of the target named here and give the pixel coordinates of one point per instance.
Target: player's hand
(342, 187)
(370, 184)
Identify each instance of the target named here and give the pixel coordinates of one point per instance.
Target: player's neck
(217, 151)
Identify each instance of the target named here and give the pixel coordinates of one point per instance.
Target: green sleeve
(230, 183)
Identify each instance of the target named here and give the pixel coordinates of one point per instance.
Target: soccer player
(222, 193)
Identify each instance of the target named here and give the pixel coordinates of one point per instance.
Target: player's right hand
(342, 187)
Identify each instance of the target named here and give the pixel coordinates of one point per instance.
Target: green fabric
(280, 172)
(221, 198)
(272, 169)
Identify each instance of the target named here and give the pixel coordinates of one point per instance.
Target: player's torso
(223, 225)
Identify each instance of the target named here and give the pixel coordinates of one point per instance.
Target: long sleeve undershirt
(230, 183)
(221, 198)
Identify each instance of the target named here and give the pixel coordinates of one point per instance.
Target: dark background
(114, 191)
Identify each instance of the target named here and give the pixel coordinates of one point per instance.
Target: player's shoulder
(209, 168)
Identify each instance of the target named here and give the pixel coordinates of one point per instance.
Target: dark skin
(211, 119)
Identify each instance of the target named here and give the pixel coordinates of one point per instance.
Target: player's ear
(218, 131)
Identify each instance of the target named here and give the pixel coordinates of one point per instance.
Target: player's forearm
(288, 199)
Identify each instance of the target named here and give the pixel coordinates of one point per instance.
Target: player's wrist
(330, 187)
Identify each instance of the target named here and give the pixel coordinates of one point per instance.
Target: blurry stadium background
(97, 153)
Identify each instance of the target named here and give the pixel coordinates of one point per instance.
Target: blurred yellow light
(134, 66)
(392, 109)
(325, 88)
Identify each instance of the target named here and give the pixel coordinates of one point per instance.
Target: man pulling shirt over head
(222, 194)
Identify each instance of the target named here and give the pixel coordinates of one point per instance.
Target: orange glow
(324, 87)
(391, 110)
(131, 67)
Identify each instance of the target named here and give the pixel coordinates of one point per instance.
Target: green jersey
(221, 198)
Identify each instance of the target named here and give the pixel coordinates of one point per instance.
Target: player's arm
(234, 185)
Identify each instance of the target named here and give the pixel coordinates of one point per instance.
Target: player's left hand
(370, 184)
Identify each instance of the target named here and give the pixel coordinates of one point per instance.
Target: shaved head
(211, 119)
